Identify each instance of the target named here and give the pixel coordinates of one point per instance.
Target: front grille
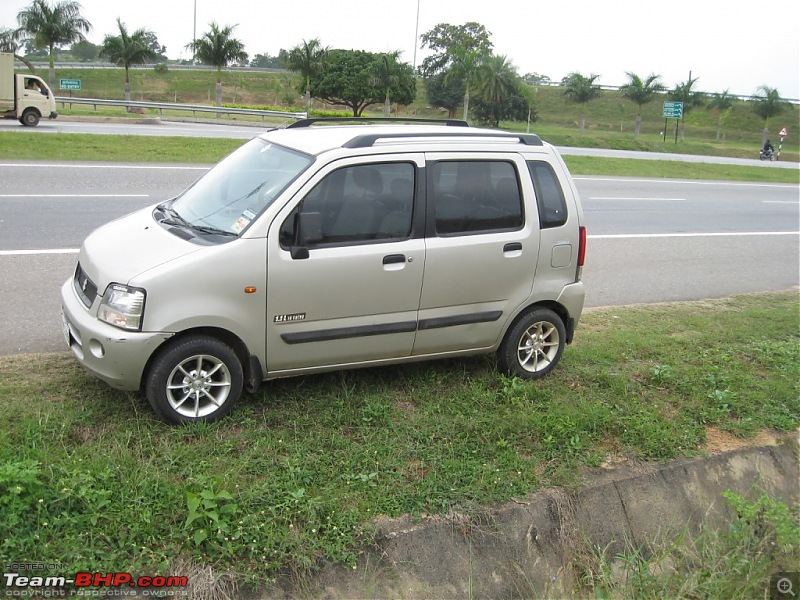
(85, 287)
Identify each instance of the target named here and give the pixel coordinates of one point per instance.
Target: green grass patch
(737, 561)
(123, 148)
(88, 147)
(90, 479)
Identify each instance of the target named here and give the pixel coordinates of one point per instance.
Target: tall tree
(459, 51)
(219, 49)
(347, 79)
(49, 26)
(128, 49)
(684, 92)
(581, 90)
(721, 105)
(307, 59)
(641, 91)
(387, 72)
(767, 104)
(444, 94)
(497, 82)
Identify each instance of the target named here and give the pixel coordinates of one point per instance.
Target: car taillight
(581, 252)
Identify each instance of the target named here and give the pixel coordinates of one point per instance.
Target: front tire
(30, 118)
(534, 345)
(197, 378)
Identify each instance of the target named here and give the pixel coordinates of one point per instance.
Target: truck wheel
(197, 378)
(30, 118)
(533, 346)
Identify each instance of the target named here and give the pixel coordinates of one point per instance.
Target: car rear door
(482, 246)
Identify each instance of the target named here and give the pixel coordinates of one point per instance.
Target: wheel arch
(253, 374)
(559, 309)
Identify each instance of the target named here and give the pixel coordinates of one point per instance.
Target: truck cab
(24, 97)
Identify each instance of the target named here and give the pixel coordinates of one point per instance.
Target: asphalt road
(649, 240)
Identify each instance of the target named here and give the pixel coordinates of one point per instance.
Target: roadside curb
(526, 547)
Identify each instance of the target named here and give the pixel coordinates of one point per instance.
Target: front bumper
(117, 357)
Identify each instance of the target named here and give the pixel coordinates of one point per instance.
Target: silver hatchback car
(314, 248)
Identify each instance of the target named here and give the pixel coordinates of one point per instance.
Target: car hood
(123, 249)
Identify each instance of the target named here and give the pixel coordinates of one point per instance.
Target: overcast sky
(727, 45)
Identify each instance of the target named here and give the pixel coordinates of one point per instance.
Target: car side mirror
(308, 230)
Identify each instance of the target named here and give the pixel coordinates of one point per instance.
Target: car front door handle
(391, 259)
(512, 247)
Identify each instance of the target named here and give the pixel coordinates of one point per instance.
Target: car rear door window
(475, 196)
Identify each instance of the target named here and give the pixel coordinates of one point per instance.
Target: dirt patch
(718, 441)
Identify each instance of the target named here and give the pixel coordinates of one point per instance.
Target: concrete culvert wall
(528, 548)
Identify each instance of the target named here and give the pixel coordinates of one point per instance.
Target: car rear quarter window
(549, 195)
(475, 196)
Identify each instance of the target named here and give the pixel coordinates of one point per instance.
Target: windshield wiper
(211, 230)
(174, 217)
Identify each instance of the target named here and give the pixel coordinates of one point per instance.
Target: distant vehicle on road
(24, 97)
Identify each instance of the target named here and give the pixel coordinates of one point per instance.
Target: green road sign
(673, 110)
(69, 84)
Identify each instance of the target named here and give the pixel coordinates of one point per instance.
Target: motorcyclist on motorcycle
(767, 152)
(768, 149)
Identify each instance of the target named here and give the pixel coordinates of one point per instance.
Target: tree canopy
(49, 26)
(348, 79)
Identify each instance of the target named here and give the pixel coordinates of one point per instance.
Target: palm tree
(683, 93)
(641, 91)
(466, 66)
(387, 75)
(128, 49)
(9, 42)
(582, 90)
(768, 103)
(721, 104)
(307, 59)
(497, 81)
(50, 26)
(219, 49)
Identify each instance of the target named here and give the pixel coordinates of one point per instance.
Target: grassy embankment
(610, 118)
(90, 479)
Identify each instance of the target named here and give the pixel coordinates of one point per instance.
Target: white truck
(22, 96)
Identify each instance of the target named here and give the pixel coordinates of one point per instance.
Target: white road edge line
(46, 251)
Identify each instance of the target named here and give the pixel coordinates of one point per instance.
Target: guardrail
(193, 108)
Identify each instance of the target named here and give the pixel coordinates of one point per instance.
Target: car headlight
(122, 307)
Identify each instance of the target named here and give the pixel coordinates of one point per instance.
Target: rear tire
(534, 345)
(30, 118)
(196, 378)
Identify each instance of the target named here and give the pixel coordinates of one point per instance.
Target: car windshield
(233, 193)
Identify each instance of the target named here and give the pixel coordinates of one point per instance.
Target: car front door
(345, 265)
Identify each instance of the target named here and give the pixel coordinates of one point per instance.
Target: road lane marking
(780, 202)
(45, 251)
(684, 182)
(615, 236)
(634, 198)
(74, 195)
(114, 166)
(622, 236)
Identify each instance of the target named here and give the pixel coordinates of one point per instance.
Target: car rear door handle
(512, 247)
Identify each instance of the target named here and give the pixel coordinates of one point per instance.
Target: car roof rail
(368, 140)
(311, 121)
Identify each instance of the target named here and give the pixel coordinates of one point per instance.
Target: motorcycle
(768, 154)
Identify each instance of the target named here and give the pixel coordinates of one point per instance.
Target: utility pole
(416, 38)
(194, 33)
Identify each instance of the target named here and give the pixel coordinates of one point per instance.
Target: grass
(21, 145)
(739, 561)
(90, 479)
